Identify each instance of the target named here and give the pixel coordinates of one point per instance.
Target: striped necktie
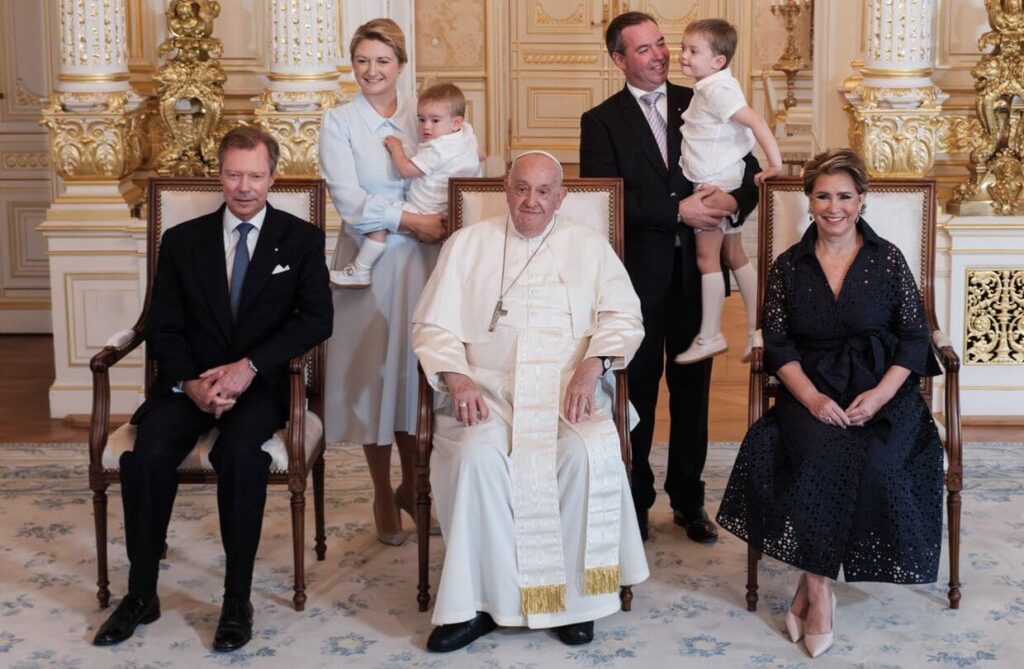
(240, 265)
(657, 123)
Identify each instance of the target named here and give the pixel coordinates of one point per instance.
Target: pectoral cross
(498, 313)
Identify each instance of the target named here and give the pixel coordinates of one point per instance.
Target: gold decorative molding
(994, 184)
(958, 134)
(559, 59)
(95, 135)
(994, 332)
(297, 133)
(541, 18)
(191, 90)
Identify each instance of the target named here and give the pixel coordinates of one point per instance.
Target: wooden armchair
(296, 450)
(475, 199)
(902, 211)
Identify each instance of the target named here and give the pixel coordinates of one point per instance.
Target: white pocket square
(281, 268)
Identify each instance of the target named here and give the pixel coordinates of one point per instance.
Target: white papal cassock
(529, 504)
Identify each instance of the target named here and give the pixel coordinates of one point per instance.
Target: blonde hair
(448, 94)
(832, 161)
(720, 34)
(385, 31)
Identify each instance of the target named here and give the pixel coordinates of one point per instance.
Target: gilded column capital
(95, 136)
(894, 107)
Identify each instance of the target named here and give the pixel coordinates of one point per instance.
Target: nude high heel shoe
(794, 623)
(817, 644)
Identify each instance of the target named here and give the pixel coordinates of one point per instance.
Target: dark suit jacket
(282, 315)
(616, 141)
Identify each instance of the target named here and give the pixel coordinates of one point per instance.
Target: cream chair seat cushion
(123, 440)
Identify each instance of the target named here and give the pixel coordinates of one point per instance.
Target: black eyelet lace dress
(866, 499)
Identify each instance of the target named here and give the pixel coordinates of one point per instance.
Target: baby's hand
(766, 173)
(392, 144)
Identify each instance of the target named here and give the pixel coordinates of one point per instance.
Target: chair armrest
(954, 446)
(621, 408)
(944, 350)
(757, 392)
(296, 441)
(117, 347)
(424, 419)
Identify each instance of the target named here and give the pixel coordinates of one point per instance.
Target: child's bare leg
(709, 340)
(746, 278)
(358, 273)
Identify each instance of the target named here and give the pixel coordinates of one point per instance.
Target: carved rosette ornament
(995, 181)
(995, 316)
(190, 86)
(303, 82)
(894, 106)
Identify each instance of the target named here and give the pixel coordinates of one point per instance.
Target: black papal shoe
(131, 612)
(698, 525)
(576, 634)
(446, 638)
(235, 627)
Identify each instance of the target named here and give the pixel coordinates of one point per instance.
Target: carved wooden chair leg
(953, 513)
(298, 547)
(99, 510)
(753, 555)
(423, 538)
(318, 508)
(626, 595)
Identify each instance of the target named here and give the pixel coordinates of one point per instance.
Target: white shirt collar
(724, 73)
(637, 92)
(231, 221)
(374, 120)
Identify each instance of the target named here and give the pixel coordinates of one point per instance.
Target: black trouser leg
(242, 470)
(149, 482)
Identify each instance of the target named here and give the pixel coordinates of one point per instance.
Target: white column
(900, 44)
(93, 46)
(305, 53)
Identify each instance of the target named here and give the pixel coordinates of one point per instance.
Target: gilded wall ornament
(297, 133)
(995, 316)
(995, 175)
(190, 87)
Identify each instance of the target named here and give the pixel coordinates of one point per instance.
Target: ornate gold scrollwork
(191, 89)
(995, 316)
(995, 175)
(297, 133)
(958, 134)
(99, 140)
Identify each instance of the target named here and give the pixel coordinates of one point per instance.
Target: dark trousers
(671, 321)
(149, 482)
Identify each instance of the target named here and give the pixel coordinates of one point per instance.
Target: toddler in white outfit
(718, 130)
(447, 149)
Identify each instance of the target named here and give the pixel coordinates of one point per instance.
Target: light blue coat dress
(371, 382)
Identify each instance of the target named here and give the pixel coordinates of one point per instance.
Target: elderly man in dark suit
(237, 294)
(635, 135)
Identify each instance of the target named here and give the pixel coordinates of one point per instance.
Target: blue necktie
(240, 265)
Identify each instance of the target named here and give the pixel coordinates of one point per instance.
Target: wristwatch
(606, 363)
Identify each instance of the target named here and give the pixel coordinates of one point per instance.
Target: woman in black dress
(845, 470)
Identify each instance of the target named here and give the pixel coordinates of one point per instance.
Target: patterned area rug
(362, 608)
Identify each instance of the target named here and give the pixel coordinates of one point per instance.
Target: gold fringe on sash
(543, 599)
(601, 580)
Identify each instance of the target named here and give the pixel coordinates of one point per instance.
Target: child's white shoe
(351, 276)
(702, 348)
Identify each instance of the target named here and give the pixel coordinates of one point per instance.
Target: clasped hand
(217, 389)
(705, 209)
(862, 409)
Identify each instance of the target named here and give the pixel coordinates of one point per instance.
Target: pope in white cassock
(516, 329)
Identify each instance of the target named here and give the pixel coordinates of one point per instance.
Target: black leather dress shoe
(645, 528)
(576, 634)
(446, 638)
(129, 614)
(235, 627)
(698, 525)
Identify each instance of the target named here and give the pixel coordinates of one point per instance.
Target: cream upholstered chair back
(595, 202)
(901, 211)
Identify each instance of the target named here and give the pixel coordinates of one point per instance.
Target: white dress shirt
(713, 146)
(662, 105)
(440, 159)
